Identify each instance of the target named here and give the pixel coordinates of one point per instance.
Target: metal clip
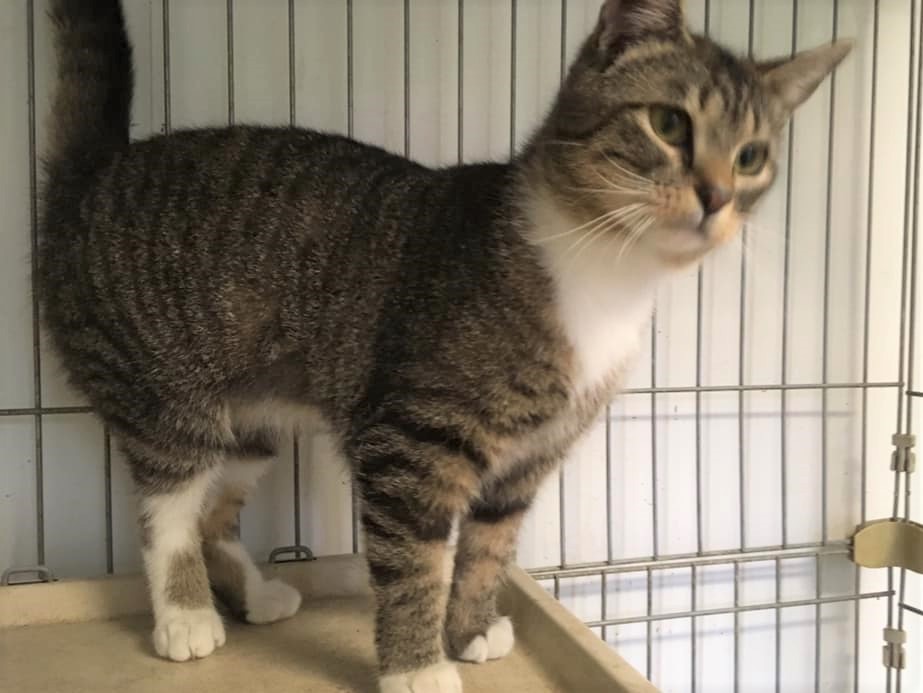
(38, 573)
(893, 650)
(903, 458)
(298, 553)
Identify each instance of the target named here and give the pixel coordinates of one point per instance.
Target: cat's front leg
(412, 488)
(475, 631)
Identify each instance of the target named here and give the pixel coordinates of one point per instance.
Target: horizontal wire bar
(914, 393)
(757, 388)
(685, 560)
(698, 562)
(40, 411)
(912, 609)
(737, 609)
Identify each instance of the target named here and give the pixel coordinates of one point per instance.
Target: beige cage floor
(327, 647)
(85, 636)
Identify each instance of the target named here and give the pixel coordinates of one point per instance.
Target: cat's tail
(91, 109)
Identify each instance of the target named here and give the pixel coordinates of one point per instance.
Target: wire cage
(704, 527)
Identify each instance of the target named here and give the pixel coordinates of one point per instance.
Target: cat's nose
(712, 197)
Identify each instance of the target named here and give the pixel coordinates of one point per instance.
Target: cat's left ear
(623, 22)
(792, 80)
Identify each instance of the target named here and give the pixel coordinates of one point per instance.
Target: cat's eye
(671, 125)
(751, 158)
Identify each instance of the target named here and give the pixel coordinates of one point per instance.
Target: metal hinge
(903, 459)
(893, 650)
(26, 576)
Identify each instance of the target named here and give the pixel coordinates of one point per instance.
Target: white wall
(74, 486)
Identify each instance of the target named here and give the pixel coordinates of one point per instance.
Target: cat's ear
(792, 80)
(622, 22)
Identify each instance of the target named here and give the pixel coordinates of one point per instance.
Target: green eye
(751, 159)
(671, 125)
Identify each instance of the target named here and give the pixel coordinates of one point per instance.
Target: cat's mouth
(692, 238)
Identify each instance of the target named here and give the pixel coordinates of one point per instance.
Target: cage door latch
(893, 650)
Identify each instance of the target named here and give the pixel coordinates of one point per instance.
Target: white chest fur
(603, 299)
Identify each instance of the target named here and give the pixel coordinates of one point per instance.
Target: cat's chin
(679, 247)
(682, 244)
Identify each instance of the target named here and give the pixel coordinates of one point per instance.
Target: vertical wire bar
(700, 274)
(107, 467)
(825, 361)
(36, 337)
(296, 487)
(817, 615)
(693, 602)
(406, 39)
(230, 42)
(700, 280)
(911, 347)
(604, 605)
(908, 162)
(350, 131)
(785, 295)
(461, 81)
(167, 98)
(655, 530)
(649, 661)
(350, 67)
(778, 628)
(736, 627)
(296, 442)
(741, 347)
(914, 222)
(562, 66)
(783, 428)
(742, 336)
(698, 462)
(292, 103)
(513, 32)
(866, 334)
(563, 57)
(655, 545)
(903, 310)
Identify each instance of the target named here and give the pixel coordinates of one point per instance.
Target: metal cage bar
(36, 337)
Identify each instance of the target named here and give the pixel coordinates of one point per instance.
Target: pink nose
(712, 197)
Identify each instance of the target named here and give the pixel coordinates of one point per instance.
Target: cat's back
(184, 179)
(212, 202)
(179, 250)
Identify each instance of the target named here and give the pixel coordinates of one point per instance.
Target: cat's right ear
(624, 22)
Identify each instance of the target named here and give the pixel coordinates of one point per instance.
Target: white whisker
(612, 214)
(628, 172)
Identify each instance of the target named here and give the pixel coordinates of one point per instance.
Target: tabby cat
(458, 328)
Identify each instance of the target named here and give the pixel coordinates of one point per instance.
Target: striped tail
(91, 109)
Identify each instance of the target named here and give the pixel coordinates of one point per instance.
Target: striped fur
(206, 288)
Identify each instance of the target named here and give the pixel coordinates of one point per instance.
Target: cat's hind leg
(186, 624)
(235, 578)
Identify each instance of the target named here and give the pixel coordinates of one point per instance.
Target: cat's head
(665, 137)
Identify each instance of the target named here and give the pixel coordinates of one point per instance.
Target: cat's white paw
(272, 601)
(183, 634)
(496, 643)
(438, 678)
